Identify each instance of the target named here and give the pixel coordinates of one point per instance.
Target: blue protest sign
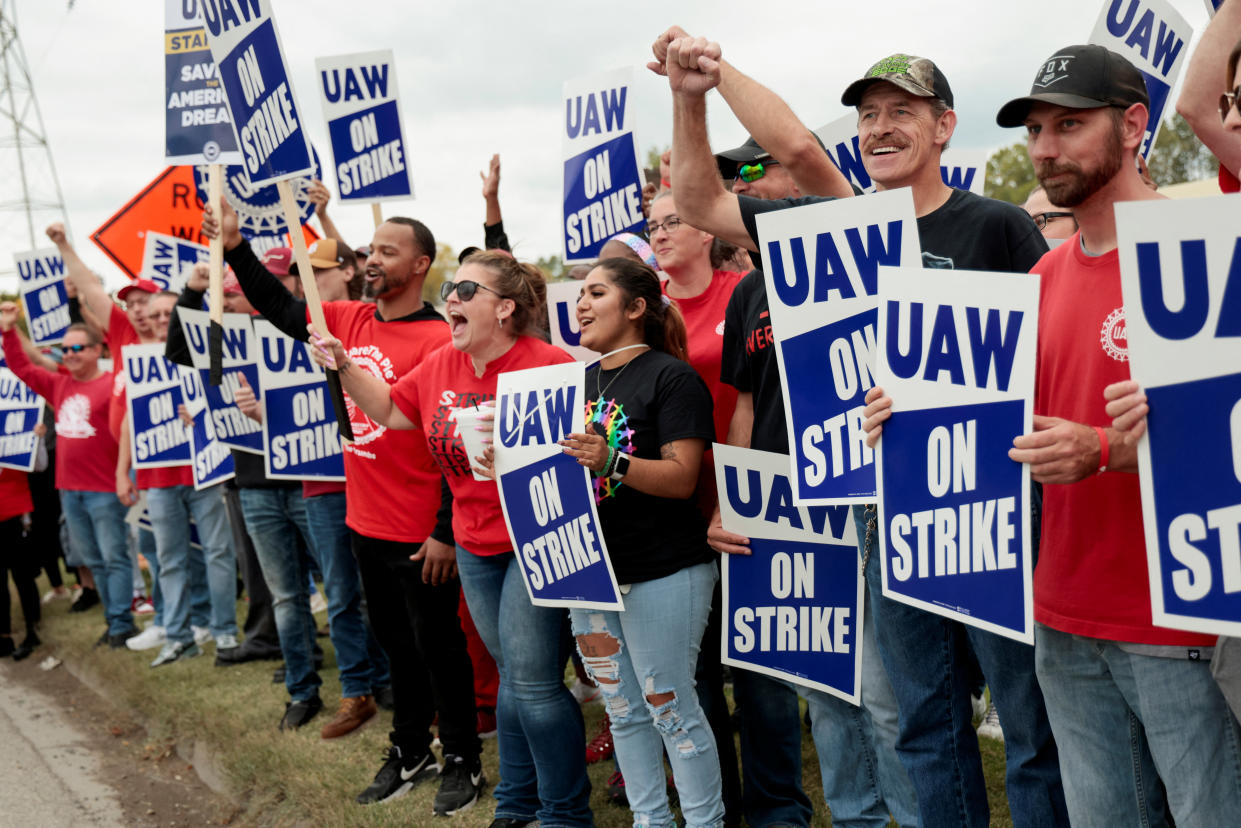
(820, 263)
(562, 320)
(198, 129)
(41, 280)
(1155, 39)
(158, 438)
(267, 122)
(21, 409)
(211, 460)
(300, 438)
(1181, 278)
(363, 115)
(259, 215)
(547, 497)
(240, 354)
(956, 355)
(793, 607)
(166, 259)
(602, 179)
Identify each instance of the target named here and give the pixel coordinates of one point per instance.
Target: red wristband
(1104, 450)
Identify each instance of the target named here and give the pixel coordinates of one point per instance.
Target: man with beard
(1107, 672)
(905, 120)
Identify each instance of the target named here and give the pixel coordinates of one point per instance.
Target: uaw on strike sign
(1180, 266)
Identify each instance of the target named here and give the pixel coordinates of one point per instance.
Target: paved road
(48, 774)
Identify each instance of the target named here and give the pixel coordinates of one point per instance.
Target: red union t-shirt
(14, 495)
(85, 448)
(119, 334)
(446, 380)
(1091, 577)
(392, 486)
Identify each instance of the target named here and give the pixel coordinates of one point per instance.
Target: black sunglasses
(466, 288)
(76, 349)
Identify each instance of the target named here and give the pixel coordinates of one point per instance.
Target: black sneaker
(117, 641)
(460, 784)
(27, 647)
(398, 776)
(298, 713)
(509, 822)
(86, 599)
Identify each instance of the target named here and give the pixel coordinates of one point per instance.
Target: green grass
(297, 778)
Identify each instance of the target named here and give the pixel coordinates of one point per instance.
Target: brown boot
(353, 713)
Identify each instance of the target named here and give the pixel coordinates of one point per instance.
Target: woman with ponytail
(650, 422)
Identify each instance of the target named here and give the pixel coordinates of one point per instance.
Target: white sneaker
(979, 707)
(148, 639)
(317, 602)
(52, 595)
(990, 727)
(225, 642)
(201, 635)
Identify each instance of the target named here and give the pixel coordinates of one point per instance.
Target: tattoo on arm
(668, 451)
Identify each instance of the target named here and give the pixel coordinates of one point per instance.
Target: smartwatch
(622, 466)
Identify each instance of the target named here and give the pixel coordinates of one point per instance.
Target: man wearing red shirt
(85, 463)
(1101, 662)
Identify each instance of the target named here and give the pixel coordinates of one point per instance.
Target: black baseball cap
(750, 152)
(916, 75)
(1080, 77)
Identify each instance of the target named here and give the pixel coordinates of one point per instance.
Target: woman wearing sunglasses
(652, 420)
(496, 312)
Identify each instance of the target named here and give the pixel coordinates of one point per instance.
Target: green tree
(443, 269)
(551, 265)
(1179, 156)
(652, 156)
(1010, 175)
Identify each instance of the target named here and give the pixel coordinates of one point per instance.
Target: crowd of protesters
(1106, 720)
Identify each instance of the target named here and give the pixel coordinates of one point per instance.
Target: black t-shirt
(968, 232)
(650, 401)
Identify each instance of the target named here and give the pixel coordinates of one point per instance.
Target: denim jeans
(1095, 691)
(171, 509)
(542, 761)
(923, 654)
(351, 636)
(643, 660)
(275, 518)
(97, 531)
(145, 544)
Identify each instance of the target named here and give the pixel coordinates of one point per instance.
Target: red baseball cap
(144, 285)
(277, 260)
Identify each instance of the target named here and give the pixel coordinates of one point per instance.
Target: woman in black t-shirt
(649, 424)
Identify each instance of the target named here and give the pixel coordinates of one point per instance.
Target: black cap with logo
(1080, 77)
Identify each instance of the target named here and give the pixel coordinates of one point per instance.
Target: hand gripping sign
(211, 460)
(41, 278)
(166, 259)
(961, 170)
(198, 129)
(548, 500)
(602, 178)
(300, 438)
(820, 263)
(21, 409)
(1180, 267)
(793, 607)
(226, 423)
(157, 436)
(1155, 39)
(364, 123)
(956, 355)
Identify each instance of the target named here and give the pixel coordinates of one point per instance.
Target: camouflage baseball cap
(916, 75)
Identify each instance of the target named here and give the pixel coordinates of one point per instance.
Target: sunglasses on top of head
(465, 288)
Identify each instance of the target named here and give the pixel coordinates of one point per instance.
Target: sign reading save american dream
(548, 500)
(211, 460)
(364, 124)
(198, 128)
(21, 409)
(267, 122)
(225, 420)
(959, 169)
(602, 179)
(1154, 38)
(820, 262)
(793, 607)
(157, 436)
(300, 438)
(1180, 269)
(167, 259)
(41, 279)
(956, 355)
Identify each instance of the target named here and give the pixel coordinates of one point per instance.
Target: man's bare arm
(1204, 81)
(91, 295)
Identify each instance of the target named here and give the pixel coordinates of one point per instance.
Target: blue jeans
(330, 545)
(1095, 691)
(643, 660)
(146, 545)
(171, 509)
(924, 656)
(274, 518)
(770, 751)
(542, 761)
(97, 531)
(862, 791)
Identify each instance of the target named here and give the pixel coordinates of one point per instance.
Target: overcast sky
(483, 77)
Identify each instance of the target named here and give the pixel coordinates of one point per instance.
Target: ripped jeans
(643, 660)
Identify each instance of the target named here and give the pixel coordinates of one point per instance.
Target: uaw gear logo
(73, 418)
(1113, 336)
(259, 214)
(1054, 71)
(366, 430)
